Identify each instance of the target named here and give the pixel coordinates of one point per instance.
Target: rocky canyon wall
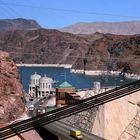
(11, 90)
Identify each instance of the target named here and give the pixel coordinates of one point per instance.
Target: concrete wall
(112, 118)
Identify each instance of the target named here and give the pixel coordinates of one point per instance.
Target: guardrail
(66, 111)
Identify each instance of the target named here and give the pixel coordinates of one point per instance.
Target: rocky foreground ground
(12, 103)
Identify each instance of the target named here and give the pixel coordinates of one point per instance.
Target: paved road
(62, 129)
(40, 105)
(66, 111)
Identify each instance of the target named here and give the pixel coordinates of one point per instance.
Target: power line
(11, 9)
(6, 11)
(73, 11)
(2, 10)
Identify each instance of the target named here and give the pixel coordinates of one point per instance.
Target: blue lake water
(79, 81)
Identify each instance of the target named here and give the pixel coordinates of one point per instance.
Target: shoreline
(68, 66)
(99, 72)
(81, 71)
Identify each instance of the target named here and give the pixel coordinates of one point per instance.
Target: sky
(56, 14)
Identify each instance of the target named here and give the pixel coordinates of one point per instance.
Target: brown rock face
(90, 52)
(11, 91)
(19, 23)
(114, 52)
(42, 46)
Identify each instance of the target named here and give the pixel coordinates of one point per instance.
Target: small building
(97, 87)
(72, 98)
(61, 91)
(40, 86)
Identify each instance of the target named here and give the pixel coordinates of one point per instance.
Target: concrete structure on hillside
(45, 86)
(97, 87)
(72, 98)
(40, 86)
(61, 91)
(34, 83)
(115, 120)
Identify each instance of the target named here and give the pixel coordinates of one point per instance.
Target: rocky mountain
(114, 52)
(19, 23)
(11, 91)
(90, 52)
(43, 46)
(120, 28)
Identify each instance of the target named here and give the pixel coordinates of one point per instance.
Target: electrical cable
(73, 11)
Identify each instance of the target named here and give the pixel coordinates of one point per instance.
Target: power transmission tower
(132, 131)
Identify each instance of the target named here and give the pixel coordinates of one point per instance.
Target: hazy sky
(60, 13)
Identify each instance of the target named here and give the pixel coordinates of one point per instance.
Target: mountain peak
(18, 23)
(120, 28)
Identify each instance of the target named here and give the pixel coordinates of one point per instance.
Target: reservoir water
(79, 81)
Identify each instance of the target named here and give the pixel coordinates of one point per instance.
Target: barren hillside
(119, 28)
(90, 52)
